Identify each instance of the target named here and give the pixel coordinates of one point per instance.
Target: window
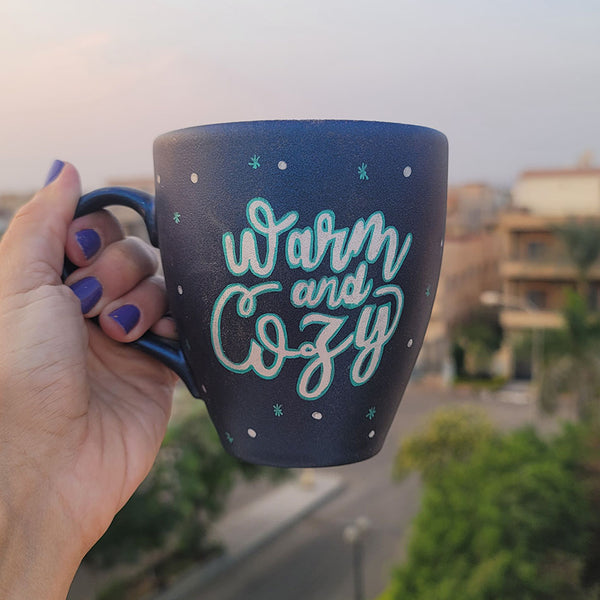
(537, 298)
(536, 250)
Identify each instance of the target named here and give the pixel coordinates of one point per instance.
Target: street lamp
(354, 535)
(494, 298)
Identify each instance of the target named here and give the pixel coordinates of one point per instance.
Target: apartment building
(535, 268)
(469, 267)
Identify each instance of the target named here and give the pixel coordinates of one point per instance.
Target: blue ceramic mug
(301, 261)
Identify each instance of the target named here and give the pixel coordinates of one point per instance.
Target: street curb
(248, 529)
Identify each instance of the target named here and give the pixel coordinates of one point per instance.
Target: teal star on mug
(362, 172)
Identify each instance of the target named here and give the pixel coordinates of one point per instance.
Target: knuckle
(101, 220)
(158, 282)
(135, 254)
(108, 221)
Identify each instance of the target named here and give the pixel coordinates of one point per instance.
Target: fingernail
(54, 172)
(89, 241)
(89, 291)
(127, 316)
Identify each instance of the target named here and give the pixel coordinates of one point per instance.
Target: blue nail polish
(89, 291)
(54, 172)
(89, 241)
(127, 316)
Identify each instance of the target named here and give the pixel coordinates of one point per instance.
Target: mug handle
(167, 351)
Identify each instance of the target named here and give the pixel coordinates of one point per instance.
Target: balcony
(539, 319)
(544, 269)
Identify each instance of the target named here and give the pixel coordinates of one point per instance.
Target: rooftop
(578, 171)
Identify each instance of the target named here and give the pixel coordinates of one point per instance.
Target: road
(311, 561)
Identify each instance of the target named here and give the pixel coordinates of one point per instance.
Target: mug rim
(356, 124)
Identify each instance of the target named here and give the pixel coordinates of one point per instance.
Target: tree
(451, 434)
(571, 360)
(582, 242)
(478, 337)
(509, 521)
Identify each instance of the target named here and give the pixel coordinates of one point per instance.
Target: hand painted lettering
(306, 249)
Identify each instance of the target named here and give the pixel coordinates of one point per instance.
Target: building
(469, 267)
(535, 268)
(559, 192)
(473, 207)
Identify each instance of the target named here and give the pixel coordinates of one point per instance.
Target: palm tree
(572, 359)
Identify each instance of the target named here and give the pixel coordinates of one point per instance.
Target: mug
(301, 261)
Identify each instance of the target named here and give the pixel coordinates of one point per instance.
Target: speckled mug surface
(301, 260)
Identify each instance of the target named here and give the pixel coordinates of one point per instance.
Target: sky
(514, 84)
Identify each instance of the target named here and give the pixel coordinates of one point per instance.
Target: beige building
(472, 207)
(535, 268)
(469, 267)
(559, 193)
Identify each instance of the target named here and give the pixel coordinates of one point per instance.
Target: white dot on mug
(204, 390)
(410, 343)
(282, 165)
(372, 433)
(407, 171)
(317, 416)
(252, 433)
(194, 177)
(179, 290)
(158, 179)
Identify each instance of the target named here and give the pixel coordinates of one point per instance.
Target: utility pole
(354, 535)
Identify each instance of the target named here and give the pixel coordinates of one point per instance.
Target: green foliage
(475, 341)
(452, 434)
(185, 491)
(572, 359)
(582, 242)
(514, 519)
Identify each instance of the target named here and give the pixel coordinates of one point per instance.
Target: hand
(82, 416)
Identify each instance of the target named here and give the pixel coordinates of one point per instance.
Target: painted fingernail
(54, 172)
(89, 241)
(127, 316)
(89, 291)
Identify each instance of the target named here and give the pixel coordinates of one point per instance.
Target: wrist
(37, 558)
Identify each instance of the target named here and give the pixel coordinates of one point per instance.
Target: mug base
(305, 461)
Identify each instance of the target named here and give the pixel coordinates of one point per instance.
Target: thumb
(33, 248)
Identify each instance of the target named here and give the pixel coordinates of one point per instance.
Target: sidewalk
(247, 529)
